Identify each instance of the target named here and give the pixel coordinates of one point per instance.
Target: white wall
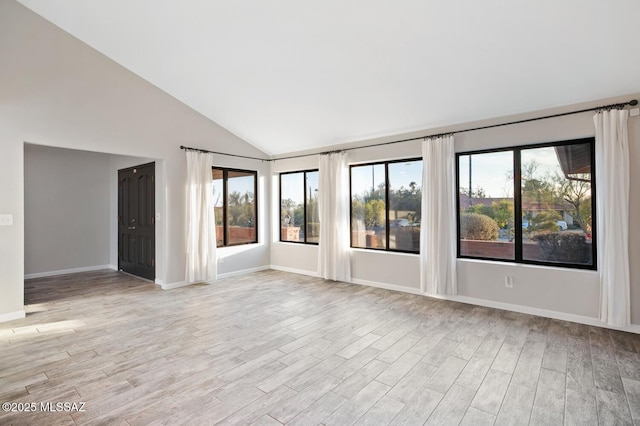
(569, 293)
(66, 209)
(56, 91)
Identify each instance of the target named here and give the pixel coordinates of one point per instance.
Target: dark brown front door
(136, 221)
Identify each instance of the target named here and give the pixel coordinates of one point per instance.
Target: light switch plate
(6, 219)
(635, 112)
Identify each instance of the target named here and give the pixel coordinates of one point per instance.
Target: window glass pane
(241, 207)
(313, 218)
(556, 204)
(486, 205)
(218, 197)
(405, 198)
(368, 207)
(292, 206)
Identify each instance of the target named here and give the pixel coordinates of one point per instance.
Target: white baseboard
(69, 271)
(244, 271)
(294, 271)
(12, 316)
(179, 284)
(564, 316)
(171, 286)
(386, 286)
(633, 328)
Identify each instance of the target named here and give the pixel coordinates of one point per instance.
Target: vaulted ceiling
(292, 75)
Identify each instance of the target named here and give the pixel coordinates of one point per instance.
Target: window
(486, 205)
(234, 193)
(386, 205)
(299, 218)
(531, 204)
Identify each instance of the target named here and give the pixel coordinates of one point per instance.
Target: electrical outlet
(6, 219)
(221, 260)
(508, 281)
(635, 112)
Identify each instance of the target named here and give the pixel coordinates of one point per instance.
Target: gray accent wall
(66, 209)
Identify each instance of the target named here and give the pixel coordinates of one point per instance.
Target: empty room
(319, 213)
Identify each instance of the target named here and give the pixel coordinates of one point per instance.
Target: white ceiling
(292, 75)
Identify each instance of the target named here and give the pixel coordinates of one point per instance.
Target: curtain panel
(333, 204)
(201, 225)
(438, 231)
(612, 203)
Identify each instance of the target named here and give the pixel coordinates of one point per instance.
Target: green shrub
(544, 222)
(475, 226)
(569, 247)
(407, 238)
(481, 209)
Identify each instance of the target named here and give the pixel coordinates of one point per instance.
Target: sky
(293, 185)
(491, 171)
(242, 184)
(400, 174)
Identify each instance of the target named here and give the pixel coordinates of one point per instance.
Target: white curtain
(333, 204)
(612, 185)
(201, 233)
(438, 229)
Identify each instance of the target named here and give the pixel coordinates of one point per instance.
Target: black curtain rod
(188, 148)
(632, 102)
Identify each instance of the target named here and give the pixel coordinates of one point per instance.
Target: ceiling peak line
(632, 102)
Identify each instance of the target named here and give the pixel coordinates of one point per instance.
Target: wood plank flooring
(273, 348)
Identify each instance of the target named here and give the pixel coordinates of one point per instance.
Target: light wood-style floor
(272, 347)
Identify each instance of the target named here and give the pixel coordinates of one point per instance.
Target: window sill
(384, 252)
(523, 265)
(239, 248)
(296, 244)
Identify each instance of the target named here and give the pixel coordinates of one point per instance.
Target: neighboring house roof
(574, 160)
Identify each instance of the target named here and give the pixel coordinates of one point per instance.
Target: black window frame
(387, 204)
(304, 185)
(225, 205)
(517, 204)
